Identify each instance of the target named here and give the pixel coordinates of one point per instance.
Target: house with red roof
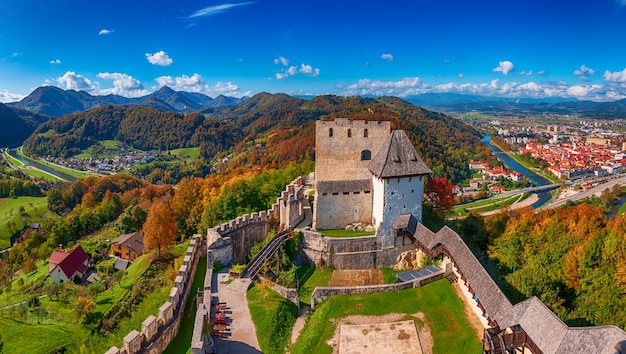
(66, 266)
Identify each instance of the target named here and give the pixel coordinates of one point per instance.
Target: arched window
(330, 132)
(366, 155)
(349, 133)
(365, 133)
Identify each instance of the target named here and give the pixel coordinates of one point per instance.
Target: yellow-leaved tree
(159, 230)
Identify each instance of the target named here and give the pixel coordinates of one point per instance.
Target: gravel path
(242, 338)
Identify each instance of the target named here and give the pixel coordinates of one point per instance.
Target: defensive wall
(158, 332)
(201, 341)
(322, 293)
(233, 240)
(363, 252)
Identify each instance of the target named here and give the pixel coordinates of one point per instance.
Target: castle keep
(367, 174)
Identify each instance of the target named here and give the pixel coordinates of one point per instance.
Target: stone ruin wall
(158, 332)
(350, 253)
(233, 240)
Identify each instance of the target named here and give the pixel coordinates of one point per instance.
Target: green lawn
(187, 153)
(15, 162)
(69, 171)
(443, 310)
(182, 341)
(345, 233)
(273, 318)
(34, 208)
(311, 277)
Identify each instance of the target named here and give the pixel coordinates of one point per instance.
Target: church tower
(398, 175)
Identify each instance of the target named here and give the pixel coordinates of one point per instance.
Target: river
(508, 161)
(42, 167)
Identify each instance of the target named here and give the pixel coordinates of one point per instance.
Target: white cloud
(584, 70)
(304, 69)
(282, 60)
(541, 72)
(386, 57)
(72, 81)
(159, 58)
(16, 54)
(123, 85)
(55, 61)
(504, 67)
(195, 83)
(381, 88)
(105, 32)
(525, 73)
(460, 75)
(578, 91)
(6, 97)
(212, 10)
(616, 76)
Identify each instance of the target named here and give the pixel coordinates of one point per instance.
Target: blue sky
(509, 48)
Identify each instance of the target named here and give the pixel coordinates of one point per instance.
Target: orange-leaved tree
(159, 230)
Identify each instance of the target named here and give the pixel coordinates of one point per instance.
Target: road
(587, 193)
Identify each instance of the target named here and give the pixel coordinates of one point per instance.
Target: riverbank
(537, 171)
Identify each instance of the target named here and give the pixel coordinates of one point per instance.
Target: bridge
(253, 267)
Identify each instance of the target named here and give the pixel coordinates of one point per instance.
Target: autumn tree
(440, 193)
(159, 230)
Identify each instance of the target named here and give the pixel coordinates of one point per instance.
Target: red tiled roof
(70, 262)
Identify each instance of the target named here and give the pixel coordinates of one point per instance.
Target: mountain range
(457, 103)
(56, 102)
(18, 124)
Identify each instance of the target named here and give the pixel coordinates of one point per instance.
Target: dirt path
(469, 313)
(299, 325)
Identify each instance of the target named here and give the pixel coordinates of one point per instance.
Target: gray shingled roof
(360, 185)
(545, 329)
(398, 158)
(133, 241)
(405, 221)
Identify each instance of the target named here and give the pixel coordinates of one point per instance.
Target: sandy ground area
(469, 313)
(567, 193)
(356, 277)
(425, 338)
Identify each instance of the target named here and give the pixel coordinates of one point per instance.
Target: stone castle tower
(365, 173)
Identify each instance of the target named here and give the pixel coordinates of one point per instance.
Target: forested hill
(141, 127)
(287, 126)
(264, 130)
(17, 124)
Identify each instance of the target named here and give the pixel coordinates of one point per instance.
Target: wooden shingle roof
(545, 329)
(398, 158)
(348, 186)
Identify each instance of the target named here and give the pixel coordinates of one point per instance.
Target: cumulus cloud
(413, 86)
(616, 76)
(55, 61)
(105, 32)
(73, 81)
(123, 85)
(584, 70)
(159, 58)
(504, 67)
(6, 97)
(386, 57)
(282, 60)
(304, 69)
(213, 10)
(195, 83)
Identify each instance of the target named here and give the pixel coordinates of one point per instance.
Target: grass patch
(69, 171)
(15, 162)
(443, 310)
(192, 153)
(389, 275)
(485, 205)
(346, 233)
(273, 318)
(34, 208)
(310, 277)
(182, 341)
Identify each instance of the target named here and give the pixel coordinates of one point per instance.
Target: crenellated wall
(201, 341)
(233, 240)
(158, 332)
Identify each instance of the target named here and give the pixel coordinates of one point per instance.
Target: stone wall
(322, 293)
(232, 241)
(158, 332)
(201, 341)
